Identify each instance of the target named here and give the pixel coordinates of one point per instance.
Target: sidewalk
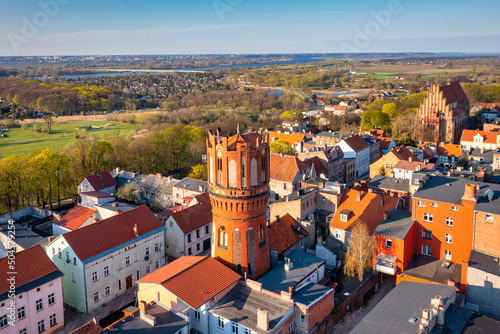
(73, 320)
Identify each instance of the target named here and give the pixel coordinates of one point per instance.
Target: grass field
(23, 142)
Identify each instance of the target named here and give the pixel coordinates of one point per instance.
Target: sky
(123, 27)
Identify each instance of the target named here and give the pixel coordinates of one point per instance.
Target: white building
(356, 147)
(486, 140)
(100, 182)
(103, 260)
(36, 304)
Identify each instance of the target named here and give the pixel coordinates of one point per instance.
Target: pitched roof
(489, 137)
(356, 143)
(458, 90)
(97, 194)
(385, 142)
(291, 138)
(194, 279)
(368, 209)
(31, 264)
(246, 138)
(101, 181)
(75, 217)
(194, 217)
(94, 239)
(192, 184)
(285, 167)
(319, 168)
(449, 149)
(414, 165)
(284, 233)
(403, 153)
(397, 225)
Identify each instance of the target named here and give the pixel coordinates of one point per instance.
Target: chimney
(142, 309)
(291, 289)
(158, 175)
(51, 238)
(200, 188)
(471, 169)
(410, 159)
(117, 169)
(115, 204)
(288, 265)
(470, 191)
(136, 232)
(263, 319)
(278, 218)
(96, 220)
(117, 212)
(482, 149)
(418, 168)
(382, 200)
(358, 195)
(420, 184)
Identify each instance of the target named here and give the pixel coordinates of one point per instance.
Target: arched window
(225, 239)
(222, 236)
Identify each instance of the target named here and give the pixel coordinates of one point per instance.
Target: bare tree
(358, 258)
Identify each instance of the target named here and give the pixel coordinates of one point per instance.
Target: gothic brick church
(445, 111)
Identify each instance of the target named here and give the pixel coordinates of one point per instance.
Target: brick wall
(313, 315)
(487, 234)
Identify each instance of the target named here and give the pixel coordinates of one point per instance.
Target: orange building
(238, 177)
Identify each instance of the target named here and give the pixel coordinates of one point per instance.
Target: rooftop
(296, 195)
(484, 262)
(279, 279)
(290, 138)
(153, 183)
(25, 237)
(101, 181)
(389, 183)
(397, 225)
(195, 216)
(414, 165)
(310, 293)
(286, 167)
(75, 217)
(356, 143)
(97, 194)
(241, 304)
(433, 270)
(192, 184)
(489, 137)
(284, 233)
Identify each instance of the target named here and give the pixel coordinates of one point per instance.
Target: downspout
(85, 290)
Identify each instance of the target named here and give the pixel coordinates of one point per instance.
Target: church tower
(238, 178)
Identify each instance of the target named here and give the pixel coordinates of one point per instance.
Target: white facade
(193, 243)
(90, 283)
(362, 157)
(85, 186)
(91, 201)
(50, 313)
(479, 143)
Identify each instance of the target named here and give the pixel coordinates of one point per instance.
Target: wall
(195, 241)
(174, 239)
(149, 292)
(314, 313)
(18, 214)
(327, 255)
(487, 234)
(484, 291)
(397, 250)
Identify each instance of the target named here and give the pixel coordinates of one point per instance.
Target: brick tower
(238, 177)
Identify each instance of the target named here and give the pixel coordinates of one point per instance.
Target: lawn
(23, 142)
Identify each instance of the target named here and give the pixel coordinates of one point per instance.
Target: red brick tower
(238, 177)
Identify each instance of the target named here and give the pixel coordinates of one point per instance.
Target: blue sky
(76, 27)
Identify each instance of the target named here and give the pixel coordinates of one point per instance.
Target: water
(278, 92)
(346, 93)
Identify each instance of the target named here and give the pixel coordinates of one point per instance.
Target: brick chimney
(382, 200)
(470, 191)
(142, 309)
(263, 319)
(358, 195)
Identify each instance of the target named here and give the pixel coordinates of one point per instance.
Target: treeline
(482, 93)
(44, 177)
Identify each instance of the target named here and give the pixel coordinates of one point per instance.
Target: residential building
(184, 190)
(445, 111)
(36, 305)
(337, 110)
(286, 173)
(445, 155)
(24, 238)
(357, 205)
(349, 170)
(293, 126)
(332, 158)
(102, 261)
(386, 144)
(285, 234)
(394, 242)
(95, 198)
(238, 176)
(99, 182)
(404, 169)
(485, 140)
(385, 165)
(188, 231)
(355, 147)
(293, 138)
(398, 188)
(190, 285)
(329, 138)
(374, 143)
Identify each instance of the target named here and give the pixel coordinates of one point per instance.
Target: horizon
(225, 27)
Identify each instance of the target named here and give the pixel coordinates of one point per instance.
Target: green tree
(130, 192)
(390, 109)
(199, 172)
(382, 171)
(359, 255)
(281, 146)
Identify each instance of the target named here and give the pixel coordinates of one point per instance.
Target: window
(387, 166)
(290, 327)
(53, 320)
(157, 247)
(148, 269)
(426, 250)
(426, 234)
(68, 258)
(344, 217)
(220, 322)
(106, 271)
(489, 218)
(23, 331)
(207, 229)
(119, 284)
(95, 276)
(248, 331)
(434, 205)
(338, 234)
(197, 234)
(447, 255)
(107, 291)
(52, 298)
(147, 251)
(39, 305)
(428, 217)
(198, 247)
(74, 260)
(96, 297)
(60, 253)
(388, 243)
(448, 238)
(136, 257)
(21, 313)
(302, 319)
(41, 326)
(157, 265)
(190, 251)
(119, 264)
(73, 277)
(189, 237)
(234, 328)
(197, 315)
(454, 208)
(127, 261)
(3, 321)
(449, 221)
(421, 204)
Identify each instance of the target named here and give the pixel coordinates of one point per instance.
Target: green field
(23, 142)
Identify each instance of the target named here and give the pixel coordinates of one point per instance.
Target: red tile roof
(101, 181)
(384, 142)
(453, 92)
(403, 153)
(194, 282)
(413, 166)
(97, 194)
(318, 166)
(457, 111)
(111, 232)
(449, 150)
(286, 167)
(75, 217)
(247, 138)
(285, 233)
(356, 143)
(458, 90)
(368, 209)
(30, 264)
(194, 217)
(489, 137)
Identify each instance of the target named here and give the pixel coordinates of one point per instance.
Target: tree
(358, 258)
(390, 109)
(403, 128)
(382, 171)
(130, 192)
(199, 172)
(281, 146)
(48, 119)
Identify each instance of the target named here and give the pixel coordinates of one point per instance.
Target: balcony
(385, 264)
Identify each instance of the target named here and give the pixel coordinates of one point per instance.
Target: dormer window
(344, 215)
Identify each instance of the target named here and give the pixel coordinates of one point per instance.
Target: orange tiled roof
(318, 166)
(31, 264)
(194, 217)
(114, 231)
(75, 217)
(247, 138)
(489, 137)
(197, 282)
(286, 167)
(384, 142)
(291, 138)
(368, 209)
(449, 149)
(285, 233)
(173, 268)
